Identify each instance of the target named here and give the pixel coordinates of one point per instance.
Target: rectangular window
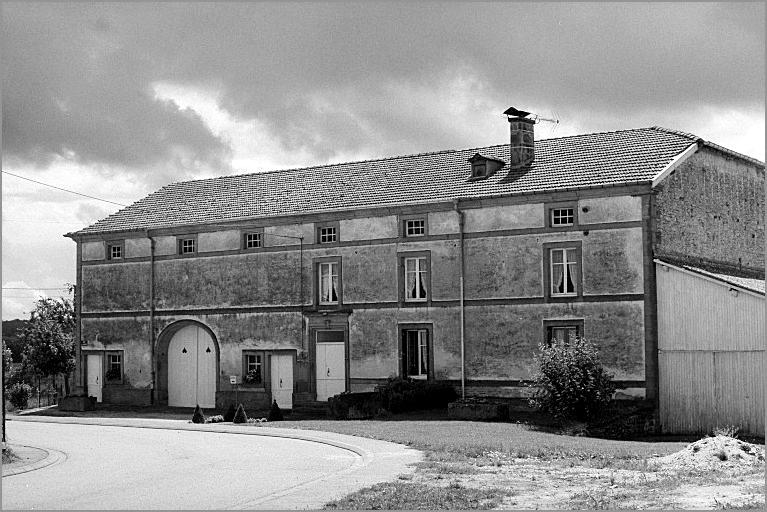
(564, 271)
(415, 227)
(415, 353)
(253, 368)
(562, 216)
(252, 240)
(328, 283)
(114, 251)
(114, 371)
(328, 235)
(416, 277)
(187, 245)
(563, 331)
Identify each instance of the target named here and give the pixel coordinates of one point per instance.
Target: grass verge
(417, 496)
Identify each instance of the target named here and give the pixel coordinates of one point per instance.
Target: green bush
(275, 413)
(354, 406)
(18, 394)
(198, 416)
(240, 416)
(229, 415)
(400, 395)
(570, 381)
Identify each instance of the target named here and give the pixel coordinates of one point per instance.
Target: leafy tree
(48, 339)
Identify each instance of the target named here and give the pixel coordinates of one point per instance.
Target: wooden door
(282, 380)
(95, 375)
(331, 369)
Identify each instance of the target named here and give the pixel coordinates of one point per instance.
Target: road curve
(171, 464)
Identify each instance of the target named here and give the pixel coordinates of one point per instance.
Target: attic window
(484, 166)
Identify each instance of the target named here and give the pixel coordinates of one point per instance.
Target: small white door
(191, 368)
(282, 380)
(93, 363)
(331, 370)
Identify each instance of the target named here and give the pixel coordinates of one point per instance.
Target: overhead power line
(33, 289)
(62, 189)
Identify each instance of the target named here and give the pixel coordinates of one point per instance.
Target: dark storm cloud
(327, 77)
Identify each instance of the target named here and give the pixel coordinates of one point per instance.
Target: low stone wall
(124, 395)
(251, 399)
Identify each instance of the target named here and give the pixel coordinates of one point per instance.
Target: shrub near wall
(354, 406)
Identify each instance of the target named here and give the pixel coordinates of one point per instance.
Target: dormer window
(484, 166)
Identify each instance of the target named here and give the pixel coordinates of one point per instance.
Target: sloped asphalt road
(172, 464)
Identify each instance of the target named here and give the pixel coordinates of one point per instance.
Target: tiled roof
(582, 161)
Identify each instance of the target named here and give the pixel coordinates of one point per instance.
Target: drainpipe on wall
(153, 397)
(463, 322)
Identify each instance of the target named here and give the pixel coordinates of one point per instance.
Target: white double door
(331, 369)
(282, 380)
(192, 368)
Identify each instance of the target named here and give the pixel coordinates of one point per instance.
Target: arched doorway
(191, 365)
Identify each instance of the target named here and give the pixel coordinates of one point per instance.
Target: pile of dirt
(711, 453)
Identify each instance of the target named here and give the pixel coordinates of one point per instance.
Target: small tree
(198, 416)
(275, 413)
(240, 416)
(48, 339)
(570, 381)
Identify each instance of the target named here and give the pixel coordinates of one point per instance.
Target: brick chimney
(522, 138)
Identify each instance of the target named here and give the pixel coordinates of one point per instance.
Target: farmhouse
(451, 265)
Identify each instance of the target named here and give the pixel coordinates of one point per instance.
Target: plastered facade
(265, 299)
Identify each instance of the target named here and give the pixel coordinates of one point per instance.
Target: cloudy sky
(116, 100)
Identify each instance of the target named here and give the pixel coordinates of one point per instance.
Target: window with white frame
(328, 235)
(415, 227)
(252, 240)
(562, 216)
(564, 271)
(416, 278)
(187, 245)
(328, 285)
(253, 368)
(415, 352)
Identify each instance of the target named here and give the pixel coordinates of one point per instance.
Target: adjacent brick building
(450, 265)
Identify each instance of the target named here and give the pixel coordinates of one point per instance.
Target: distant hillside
(10, 328)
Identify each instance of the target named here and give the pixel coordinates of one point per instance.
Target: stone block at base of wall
(478, 410)
(126, 395)
(251, 399)
(77, 403)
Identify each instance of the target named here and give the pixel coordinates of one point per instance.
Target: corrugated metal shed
(711, 341)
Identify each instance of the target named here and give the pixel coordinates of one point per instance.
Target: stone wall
(711, 209)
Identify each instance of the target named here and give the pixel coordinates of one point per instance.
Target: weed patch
(415, 496)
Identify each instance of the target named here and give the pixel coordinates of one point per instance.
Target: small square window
(415, 227)
(479, 170)
(252, 240)
(328, 235)
(187, 246)
(562, 216)
(115, 251)
(563, 331)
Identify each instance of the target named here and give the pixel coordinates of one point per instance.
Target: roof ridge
(689, 135)
(409, 155)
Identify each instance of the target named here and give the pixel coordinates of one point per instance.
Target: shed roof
(582, 161)
(745, 283)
